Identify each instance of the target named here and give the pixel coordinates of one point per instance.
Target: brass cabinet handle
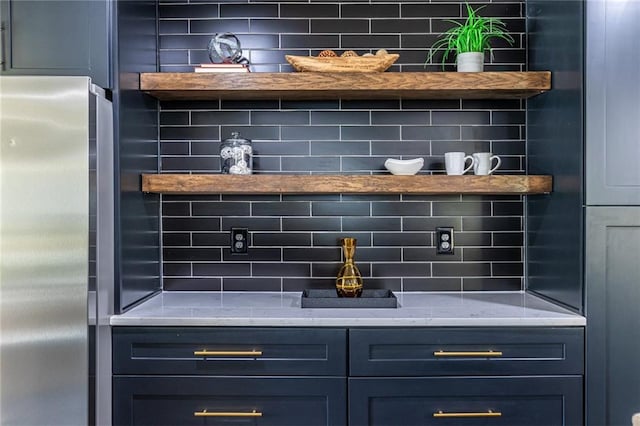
(488, 413)
(227, 353)
(462, 354)
(205, 413)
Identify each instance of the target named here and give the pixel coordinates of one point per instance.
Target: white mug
(455, 163)
(482, 163)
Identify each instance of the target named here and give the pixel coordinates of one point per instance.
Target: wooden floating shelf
(347, 184)
(374, 85)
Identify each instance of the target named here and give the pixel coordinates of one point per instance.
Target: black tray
(330, 299)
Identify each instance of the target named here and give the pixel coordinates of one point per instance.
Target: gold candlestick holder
(349, 280)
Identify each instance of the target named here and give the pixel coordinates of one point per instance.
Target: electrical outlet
(444, 240)
(239, 240)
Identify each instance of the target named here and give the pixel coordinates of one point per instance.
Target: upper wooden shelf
(376, 85)
(349, 184)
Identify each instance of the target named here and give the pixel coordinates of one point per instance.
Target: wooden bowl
(377, 63)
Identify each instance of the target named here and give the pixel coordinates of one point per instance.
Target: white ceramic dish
(404, 167)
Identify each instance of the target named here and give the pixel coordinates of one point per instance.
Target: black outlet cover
(239, 240)
(444, 240)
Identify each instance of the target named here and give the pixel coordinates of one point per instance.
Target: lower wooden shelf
(346, 85)
(347, 184)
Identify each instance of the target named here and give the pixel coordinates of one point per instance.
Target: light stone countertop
(416, 309)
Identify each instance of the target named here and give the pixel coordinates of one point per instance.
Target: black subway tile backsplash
(176, 239)
(491, 284)
(251, 223)
(341, 26)
(400, 209)
(176, 209)
(289, 269)
(254, 10)
(284, 208)
(514, 239)
(187, 224)
(252, 284)
(302, 283)
(451, 10)
(513, 269)
(309, 10)
(402, 239)
(512, 254)
(462, 269)
(294, 240)
(400, 26)
(192, 284)
(332, 239)
(222, 269)
(329, 208)
(429, 254)
(432, 284)
(254, 254)
(370, 10)
(201, 11)
(410, 224)
(370, 223)
(209, 26)
(281, 239)
(311, 224)
(185, 254)
(219, 208)
(213, 239)
(279, 117)
(340, 148)
(400, 270)
(176, 269)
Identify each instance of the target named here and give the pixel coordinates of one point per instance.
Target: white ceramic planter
(470, 62)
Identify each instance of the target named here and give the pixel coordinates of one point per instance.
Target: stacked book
(222, 68)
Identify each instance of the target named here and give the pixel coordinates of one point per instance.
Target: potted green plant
(469, 40)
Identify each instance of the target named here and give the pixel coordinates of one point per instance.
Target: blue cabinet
(525, 376)
(204, 376)
(56, 37)
(516, 376)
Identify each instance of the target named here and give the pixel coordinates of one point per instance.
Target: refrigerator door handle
(99, 92)
(2, 48)
(105, 251)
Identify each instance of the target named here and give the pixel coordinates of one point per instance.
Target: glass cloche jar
(236, 155)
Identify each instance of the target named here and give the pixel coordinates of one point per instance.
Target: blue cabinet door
(469, 401)
(56, 37)
(612, 108)
(612, 295)
(273, 401)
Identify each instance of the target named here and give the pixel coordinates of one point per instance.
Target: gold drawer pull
(227, 353)
(205, 413)
(482, 354)
(488, 413)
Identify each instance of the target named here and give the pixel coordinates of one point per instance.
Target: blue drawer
(466, 351)
(274, 401)
(469, 401)
(229, 351)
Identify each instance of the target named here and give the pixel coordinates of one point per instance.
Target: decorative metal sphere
(225, 48)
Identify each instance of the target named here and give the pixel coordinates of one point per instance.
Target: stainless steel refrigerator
(56, 251)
